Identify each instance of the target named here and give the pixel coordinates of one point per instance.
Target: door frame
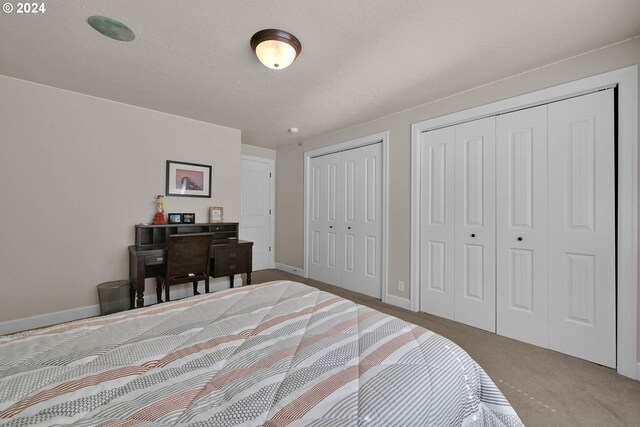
(272, 202)
(382, 137)
(626, 80)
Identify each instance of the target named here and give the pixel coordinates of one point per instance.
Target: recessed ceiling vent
(111, 28)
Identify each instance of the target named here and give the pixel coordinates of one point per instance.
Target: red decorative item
(159, 216)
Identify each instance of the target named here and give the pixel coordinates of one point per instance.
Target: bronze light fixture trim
(276, 49)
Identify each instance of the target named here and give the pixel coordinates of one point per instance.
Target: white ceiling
(361, 59)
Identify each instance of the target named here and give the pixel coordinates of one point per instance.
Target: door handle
(520, 239)
(349, 228)
(473, 235)
(331, 226)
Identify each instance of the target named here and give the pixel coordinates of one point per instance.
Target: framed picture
(216, 214)
(188, 179)
(175, 218)
(188, 218)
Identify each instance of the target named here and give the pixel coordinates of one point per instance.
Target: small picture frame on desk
(216, 214)
(188, 218)
(175, 218)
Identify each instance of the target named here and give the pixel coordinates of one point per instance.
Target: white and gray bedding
(275, 354)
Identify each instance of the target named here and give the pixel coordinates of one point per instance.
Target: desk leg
(231, 281)
(137, 273)
(248, 278)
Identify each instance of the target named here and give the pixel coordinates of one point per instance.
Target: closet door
(582, 285)
(475, 279)
(360, 181)
(521, 226)
(437, 222)
(325, 235)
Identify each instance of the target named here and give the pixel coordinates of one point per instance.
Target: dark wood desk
(147, 257)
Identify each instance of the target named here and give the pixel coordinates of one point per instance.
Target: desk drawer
(154, 259)
(230, 261)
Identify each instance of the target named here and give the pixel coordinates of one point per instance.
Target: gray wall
(289, 199)
(78, 172)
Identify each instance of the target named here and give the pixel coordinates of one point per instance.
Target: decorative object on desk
(188, 218)
(175, 218)
(188, 179)
(216, 214)
(159, 216)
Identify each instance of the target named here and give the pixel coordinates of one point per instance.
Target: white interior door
(521, 226)
(475, 231)
(582, 286)
(437, 222)
(361, 218)
(256, 210)
(323, 220)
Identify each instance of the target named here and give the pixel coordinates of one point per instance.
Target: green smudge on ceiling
(111, 28)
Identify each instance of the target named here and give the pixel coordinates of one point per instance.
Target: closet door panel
(582, 286)
(521, 226)
(437, 222)
(325, 237)
(475, 224)
(350, 189)
(366, 226)
(317, 224)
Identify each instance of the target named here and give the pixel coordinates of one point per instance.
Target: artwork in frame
(188, 179)
(175, 218)
(216, 214)
(188, 218)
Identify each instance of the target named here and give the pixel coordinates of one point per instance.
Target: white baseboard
(47, 319)
(294, 270)
(398, 301)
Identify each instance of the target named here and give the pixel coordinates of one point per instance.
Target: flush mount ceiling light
(276, 49)
(111, 28)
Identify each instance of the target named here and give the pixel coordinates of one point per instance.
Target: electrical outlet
(400, 285)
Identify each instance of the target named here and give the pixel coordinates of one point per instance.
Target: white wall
(252, 150)
(77, 173)
(289, 199)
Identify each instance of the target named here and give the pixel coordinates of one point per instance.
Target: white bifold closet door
(323, 220)
(345, 223)
(437, 223)
(521, 226)
(458, 223)
(582, 253)
(475, 224)
(518, 225)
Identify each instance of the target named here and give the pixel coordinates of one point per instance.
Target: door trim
(382, 137)
(272, 201)
(626, 80)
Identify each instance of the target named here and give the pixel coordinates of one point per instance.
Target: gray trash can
(114, 296)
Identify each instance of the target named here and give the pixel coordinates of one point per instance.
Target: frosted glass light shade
(276, 49)
(275, 54)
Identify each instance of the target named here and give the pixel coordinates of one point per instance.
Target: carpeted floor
(546, 388)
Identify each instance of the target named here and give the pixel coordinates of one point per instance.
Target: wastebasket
(114, 296)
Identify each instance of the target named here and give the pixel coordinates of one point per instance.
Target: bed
(274, 354)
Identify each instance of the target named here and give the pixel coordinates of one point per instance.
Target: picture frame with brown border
(216, 214)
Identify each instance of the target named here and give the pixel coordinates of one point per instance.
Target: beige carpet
(546, 388)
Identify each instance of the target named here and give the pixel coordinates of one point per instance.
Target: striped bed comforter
(275, 354)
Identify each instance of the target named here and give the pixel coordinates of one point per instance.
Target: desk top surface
(163, 246)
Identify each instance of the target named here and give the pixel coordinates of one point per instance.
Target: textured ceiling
(361, 59)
